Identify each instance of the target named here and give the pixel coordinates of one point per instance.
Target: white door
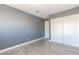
(46, 29)
(69, 30)
(56, 30)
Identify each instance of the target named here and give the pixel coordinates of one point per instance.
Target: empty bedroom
(39, 29)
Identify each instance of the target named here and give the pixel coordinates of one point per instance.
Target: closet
(56, 30)
(65, 30)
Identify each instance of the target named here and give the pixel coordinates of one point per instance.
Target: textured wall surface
(16, 27)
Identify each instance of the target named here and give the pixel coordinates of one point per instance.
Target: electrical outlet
(28, 39)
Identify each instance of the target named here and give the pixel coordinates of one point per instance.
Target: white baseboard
(19, 45)
(50, 40)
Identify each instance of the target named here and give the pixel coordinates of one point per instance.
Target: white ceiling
(43, 10)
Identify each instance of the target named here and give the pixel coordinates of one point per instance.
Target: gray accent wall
(17, 27)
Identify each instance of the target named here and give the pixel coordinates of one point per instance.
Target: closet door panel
(56, 30)
(77, 27)
(69, 30)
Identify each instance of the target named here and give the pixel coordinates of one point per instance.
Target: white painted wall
(46, 29)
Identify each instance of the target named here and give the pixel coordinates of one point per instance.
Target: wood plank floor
(43, 47)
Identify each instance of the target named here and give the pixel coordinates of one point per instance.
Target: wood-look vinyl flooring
(43, 47)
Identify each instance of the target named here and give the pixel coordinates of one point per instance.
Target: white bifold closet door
(66, 30)
(70, 30)
(56, 30)
(76, 18)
